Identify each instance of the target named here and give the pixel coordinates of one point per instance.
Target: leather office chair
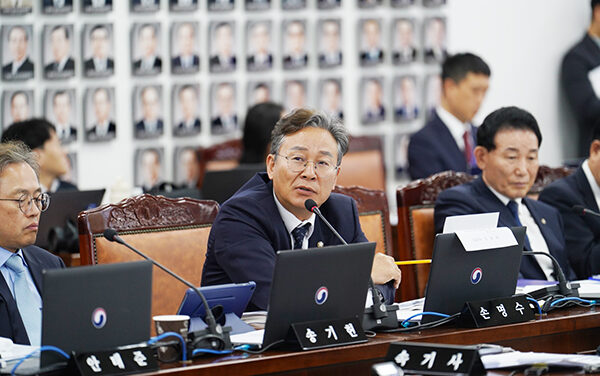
(222, 156)
(416, 231)
(174, 232)
(547, 175)
(373, 214)
(364, 163)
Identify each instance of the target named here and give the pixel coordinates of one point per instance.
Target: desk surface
(567, 331)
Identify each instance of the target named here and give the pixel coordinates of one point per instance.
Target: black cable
(420, 326)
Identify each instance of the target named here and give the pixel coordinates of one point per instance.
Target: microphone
(563, 288)
(377, 315)
(582, 211)
(214, 337)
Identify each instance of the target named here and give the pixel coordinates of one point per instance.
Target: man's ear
(481, 154)
(270, 165)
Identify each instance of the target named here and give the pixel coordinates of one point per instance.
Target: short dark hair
(303, 118)
(260, 121)
(456, 67)
(64, 28)
(596, 129)
(33, 132)
(594, 3)
(506, 118)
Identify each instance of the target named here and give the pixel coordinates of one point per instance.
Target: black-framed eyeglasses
(297, 163)
(26, 201)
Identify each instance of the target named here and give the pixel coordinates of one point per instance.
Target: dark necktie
(298, 234)
(468, 149)
(514, 209)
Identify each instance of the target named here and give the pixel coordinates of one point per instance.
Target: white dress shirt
(291, 222)
(455, 126)
(536, 239)
(591, 181)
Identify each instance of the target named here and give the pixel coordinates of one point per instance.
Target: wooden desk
(567, 331)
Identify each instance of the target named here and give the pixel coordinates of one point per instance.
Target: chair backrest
(364, 164)
(416, 231)
(373, 214)
(222, 156)
(547, 175)
(173, 232)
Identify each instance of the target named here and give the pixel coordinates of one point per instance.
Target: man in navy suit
(582, 232)
(581, 59)
(508, 142)
(267, 214)
(446, 141)
(39, 135)
(21, 203)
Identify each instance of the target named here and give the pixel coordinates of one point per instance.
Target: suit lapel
(451, 149)
(35, 268)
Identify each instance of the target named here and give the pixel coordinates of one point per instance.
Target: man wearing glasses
(267, 214)
(21, 263)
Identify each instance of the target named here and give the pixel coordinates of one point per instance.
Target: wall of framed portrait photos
(127, 83)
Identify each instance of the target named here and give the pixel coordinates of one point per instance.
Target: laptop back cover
(458, 276)
(317, 284)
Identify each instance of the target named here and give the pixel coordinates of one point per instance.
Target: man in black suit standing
(259, 42)
(21, 67)
(103, 128)
(149, 61)
(21, 263)
(580, 66)
(63, 65)
(187, 61)
(331, 53)
(99, 64)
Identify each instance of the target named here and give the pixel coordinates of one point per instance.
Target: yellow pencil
(413, 262)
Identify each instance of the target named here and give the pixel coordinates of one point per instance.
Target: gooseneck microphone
(583, 211)
(379, 311)
(563, 288)
(214, 337)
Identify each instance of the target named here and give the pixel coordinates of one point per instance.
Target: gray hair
(17, 152)
(303, 118)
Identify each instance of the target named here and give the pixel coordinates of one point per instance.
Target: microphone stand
(562, 288)
(214, 337)
(378, 315)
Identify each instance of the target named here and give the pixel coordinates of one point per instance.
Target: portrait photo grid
(155, 79)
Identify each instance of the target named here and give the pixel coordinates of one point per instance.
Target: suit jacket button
(320, 244)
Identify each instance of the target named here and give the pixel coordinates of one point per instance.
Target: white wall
(524, 42)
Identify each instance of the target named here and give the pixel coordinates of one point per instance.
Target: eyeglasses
(42, 202)
(298, 163)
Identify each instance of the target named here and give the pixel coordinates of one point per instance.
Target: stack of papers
(590, 363)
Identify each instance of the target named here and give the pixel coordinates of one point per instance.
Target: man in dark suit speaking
(508, 142)
(447, 140)
(267, 214)
(582, 233)
(21, 263)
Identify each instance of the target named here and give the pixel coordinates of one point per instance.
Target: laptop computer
(343, 269)
(99, 307)
(458, 276)
(220, 185)
(65, 206)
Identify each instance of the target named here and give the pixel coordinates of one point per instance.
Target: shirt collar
(291, 221)
(455, 126)
(5, 254)
(591, 180)
(595, 39)
(503, 198)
